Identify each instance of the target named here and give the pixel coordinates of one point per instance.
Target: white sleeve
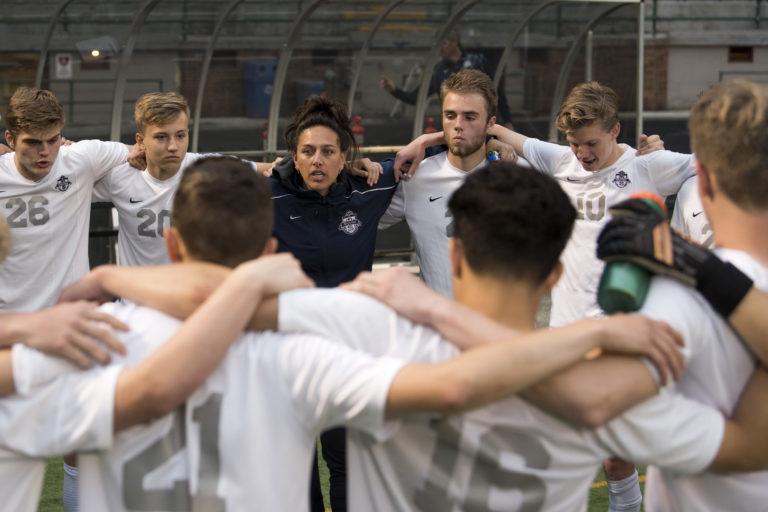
(666, 299)
(371, 327)
(102, 189)
(668, 430)
(546, 156)
(396, 209)
(33, 369)
(333, 385)
(72, 413)
(102, 156)
(668, 170)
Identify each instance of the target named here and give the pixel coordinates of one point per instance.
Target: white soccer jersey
(423, 202)
(592, 193)
(505, 456)
(246, 437)
(718, 366)
(49, 221)
(689, 217)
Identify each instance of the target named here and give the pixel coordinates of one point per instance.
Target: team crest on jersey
(350, 223)
(63, 184)
(621, 179)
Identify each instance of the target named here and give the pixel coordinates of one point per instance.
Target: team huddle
(247, 324)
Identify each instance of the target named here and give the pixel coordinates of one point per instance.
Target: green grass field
(50, 500)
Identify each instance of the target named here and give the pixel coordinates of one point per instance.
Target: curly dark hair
(322, 111)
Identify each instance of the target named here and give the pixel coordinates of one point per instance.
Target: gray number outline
(36, 213)
(486, 473)
(146, 228)
(585, 205)
(179, 498)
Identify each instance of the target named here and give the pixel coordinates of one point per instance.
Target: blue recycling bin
(258, 77)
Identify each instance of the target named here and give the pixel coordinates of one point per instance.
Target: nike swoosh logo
(433, 199)
(296, 217)
(696, 214)
(573, 180)
(132, 200)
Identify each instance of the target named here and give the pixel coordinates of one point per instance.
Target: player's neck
(616, 153)
(512, 304)
(469, 162)
(736, 229)
(161, 173)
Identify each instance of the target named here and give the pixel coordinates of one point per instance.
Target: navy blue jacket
(333, 236)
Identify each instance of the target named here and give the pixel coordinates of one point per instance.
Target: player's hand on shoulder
(274, 273)
(397, 288)
(137, 158)
(5, 149)
(87, 288)
(365, 168)
(506, 151)
(409, 158)
(640, 335)
(649, 144)
(77, 331)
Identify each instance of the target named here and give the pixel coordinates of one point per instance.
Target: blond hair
(32, 110)
(729, 134)
(159, 108)
(472, 81)
(588, 103)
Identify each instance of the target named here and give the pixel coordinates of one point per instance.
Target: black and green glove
(638, 234)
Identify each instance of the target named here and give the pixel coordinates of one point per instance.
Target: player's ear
(705, 179)
(9, 139)
(456, 249)
(615, 130)
(491, 122)
(140, 140)
(553, 277)
(174, 245)
(270, 247)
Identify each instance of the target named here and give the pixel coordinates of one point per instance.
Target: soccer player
(469, 104)
(45, 190)
(729, 135)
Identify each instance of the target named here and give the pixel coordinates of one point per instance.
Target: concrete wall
(692, 69)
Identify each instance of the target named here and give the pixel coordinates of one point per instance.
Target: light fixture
(97, 49)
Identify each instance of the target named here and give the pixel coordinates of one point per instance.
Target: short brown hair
(729, 134)
(158, 108)
(472, 81)
(32, 110)
(587, 104)
(223, 211)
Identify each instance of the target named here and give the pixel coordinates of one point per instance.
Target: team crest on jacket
(621, 179)
(63, 184)
(350, 223)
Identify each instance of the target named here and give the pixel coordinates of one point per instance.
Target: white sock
(624, 495)
(69, 489)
